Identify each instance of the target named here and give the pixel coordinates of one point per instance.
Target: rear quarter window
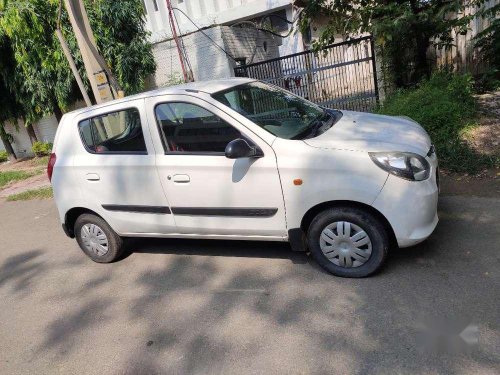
(115, 132)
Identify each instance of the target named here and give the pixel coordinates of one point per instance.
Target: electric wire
(205, 34)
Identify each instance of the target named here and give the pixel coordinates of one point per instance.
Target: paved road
(182, 307)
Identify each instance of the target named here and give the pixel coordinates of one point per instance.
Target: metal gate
(341, 75)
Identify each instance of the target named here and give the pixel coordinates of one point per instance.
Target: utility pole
(188, 76)
(104, 86)
(70, 59)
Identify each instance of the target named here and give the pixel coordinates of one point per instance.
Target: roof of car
(208, 87)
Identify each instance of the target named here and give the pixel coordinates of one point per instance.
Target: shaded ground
(213, 307)
(485, 184)
(485, 139)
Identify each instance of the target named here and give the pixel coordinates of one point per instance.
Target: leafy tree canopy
(404, 28)
(44, 74)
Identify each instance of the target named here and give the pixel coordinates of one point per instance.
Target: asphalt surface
(214, 307)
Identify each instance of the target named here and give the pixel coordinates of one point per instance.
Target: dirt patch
(485, 139)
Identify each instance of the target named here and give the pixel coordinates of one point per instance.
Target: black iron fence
(341, 75)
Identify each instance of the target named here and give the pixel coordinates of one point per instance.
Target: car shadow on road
(247, 249)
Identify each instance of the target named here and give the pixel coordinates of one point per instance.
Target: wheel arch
(313, 211)
(71, 216)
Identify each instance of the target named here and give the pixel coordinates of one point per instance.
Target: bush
(3, 156)
(444, 105)
(42, 148)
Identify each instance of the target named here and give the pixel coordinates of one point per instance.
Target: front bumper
(410, 206)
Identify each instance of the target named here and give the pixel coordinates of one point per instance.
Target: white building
(228, 36)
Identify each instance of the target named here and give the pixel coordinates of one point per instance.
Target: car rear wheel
(348, 242)
(97, 239)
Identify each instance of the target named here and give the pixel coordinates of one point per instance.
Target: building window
(116, 132)
(240, 61)
(155, 5)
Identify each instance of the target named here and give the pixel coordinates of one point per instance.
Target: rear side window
(189, 128)
(116, 132)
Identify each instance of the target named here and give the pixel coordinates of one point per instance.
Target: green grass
(8, 176)
(41, 161)
(41, 193)
(444, 105)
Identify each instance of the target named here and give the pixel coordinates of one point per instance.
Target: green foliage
(122, 40)
(9, 176)
(41, 80)
(445, 107)
(40, 63)
(42, 148)
(11, 107)
(174, 79)
(41, 193)
(40, 161)
(3, 156)
(403, 29)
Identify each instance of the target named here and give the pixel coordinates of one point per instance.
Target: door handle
(92, 177)
(181, 178)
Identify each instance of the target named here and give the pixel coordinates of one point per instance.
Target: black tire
(115, 242)
(367, 222)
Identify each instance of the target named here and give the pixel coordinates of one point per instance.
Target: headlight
(406, 165)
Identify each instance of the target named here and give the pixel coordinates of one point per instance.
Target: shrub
(3, 156)
(444, 105)
(42, 148)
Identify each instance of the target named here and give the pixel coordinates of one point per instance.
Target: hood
(359, 131)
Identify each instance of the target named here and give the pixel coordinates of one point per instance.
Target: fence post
(374, 67)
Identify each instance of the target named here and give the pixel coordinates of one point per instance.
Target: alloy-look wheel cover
(94, 239)
(345, 244)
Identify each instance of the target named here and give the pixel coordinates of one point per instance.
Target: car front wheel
(97, 239)
(348, 242)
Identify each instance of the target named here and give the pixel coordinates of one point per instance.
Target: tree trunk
(421, 63)
(8, 147)
(58, 113)
(31, 134)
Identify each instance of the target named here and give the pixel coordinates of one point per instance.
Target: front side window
(187, 127)
(116, 132)
(278, 111)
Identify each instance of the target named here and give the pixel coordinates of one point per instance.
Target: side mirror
(239, 148)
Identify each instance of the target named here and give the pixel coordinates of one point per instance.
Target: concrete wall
(204, 13)
(207, 60)
(45, 131)
(251, 44)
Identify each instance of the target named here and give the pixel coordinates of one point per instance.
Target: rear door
(210, 194)
(116, 169)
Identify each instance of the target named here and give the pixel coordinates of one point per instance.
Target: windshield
(278, 111)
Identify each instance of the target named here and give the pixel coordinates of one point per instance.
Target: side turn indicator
(297, 181)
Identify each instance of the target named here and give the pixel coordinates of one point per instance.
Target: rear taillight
(50, 166)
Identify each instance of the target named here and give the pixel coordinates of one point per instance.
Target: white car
(243, 160)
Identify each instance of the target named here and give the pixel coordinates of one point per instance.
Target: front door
(210, 194)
